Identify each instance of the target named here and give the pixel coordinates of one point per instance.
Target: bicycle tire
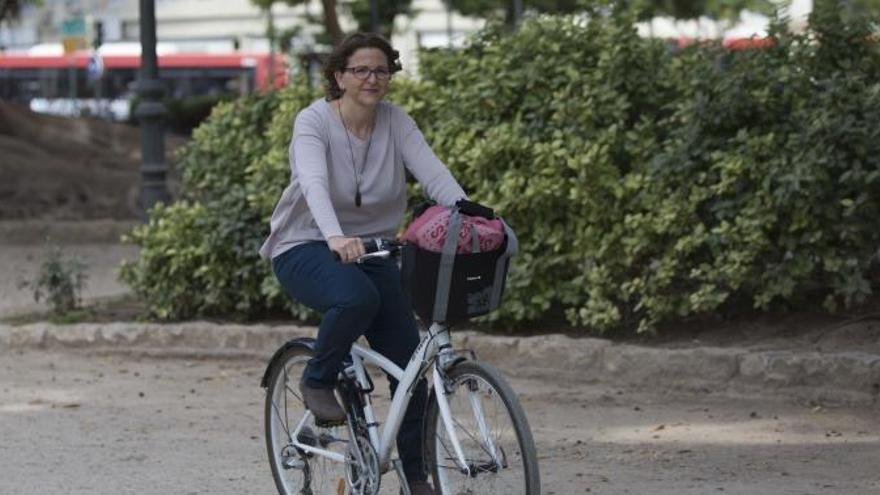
(518, 470)
(283, 410)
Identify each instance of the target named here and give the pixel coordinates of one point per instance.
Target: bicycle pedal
(307, 437)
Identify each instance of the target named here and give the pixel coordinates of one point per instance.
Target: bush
(645, 186)
(199, 256)
(545, 126)
(649, 187)
(764, 185)
(59, 281)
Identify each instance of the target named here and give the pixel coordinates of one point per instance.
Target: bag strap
(447, 260)
(512, 248)
(475, 240)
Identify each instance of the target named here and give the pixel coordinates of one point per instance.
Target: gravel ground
(88, 424)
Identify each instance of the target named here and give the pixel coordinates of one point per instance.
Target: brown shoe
(420, 488)
(323, 404)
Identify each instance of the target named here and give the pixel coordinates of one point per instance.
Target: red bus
(62, 84)
(732, 44)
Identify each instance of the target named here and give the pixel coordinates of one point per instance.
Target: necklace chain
(357, 175)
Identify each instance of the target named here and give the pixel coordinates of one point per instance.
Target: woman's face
(371, 64)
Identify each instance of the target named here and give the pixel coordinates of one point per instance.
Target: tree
(11, 9)
(694, 9)
(504, 8)
(723, 11)
(730, 10)
(330, 18)
(388, 10)
(852, 8)
(647, 9)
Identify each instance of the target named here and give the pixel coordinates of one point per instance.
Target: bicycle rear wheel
(295, 471)
(493, 432)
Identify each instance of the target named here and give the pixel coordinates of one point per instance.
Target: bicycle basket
(451, 287)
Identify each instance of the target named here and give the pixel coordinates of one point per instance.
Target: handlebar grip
(371, 245)
(475, 209)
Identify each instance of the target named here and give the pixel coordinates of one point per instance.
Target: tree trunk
(331, 21)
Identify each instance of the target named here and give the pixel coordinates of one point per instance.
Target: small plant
(59, 282)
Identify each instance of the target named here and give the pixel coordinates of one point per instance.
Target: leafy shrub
(645, 186)
(59, 281)
(648, 186)
(199, 256)
(549, 126)
(762, 192)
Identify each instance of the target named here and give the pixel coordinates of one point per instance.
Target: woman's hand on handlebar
(348, 248)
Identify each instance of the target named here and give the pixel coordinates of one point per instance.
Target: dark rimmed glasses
(363, 72)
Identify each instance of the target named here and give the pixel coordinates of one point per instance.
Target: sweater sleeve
(426, 167)
(308, 162)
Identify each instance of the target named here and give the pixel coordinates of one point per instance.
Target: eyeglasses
(363, 72)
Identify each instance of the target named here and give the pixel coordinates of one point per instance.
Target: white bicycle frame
(436, 343)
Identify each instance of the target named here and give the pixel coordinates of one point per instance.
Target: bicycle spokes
(495, 452)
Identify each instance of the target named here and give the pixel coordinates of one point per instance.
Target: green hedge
(645, 185)
(199, 256)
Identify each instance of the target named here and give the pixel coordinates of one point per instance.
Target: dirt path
(80, 424)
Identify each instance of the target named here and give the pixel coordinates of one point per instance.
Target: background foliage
(645, 185)
(199, 256)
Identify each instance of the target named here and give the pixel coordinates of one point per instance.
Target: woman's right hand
(348, 248)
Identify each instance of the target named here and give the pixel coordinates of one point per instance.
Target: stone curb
(811, 375)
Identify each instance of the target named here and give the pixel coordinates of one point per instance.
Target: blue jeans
(357, 299)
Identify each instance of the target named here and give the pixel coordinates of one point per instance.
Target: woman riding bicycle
(348, 157)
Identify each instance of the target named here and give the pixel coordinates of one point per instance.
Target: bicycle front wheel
(296, 471)
(493, 433)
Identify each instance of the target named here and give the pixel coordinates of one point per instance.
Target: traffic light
(99, 35)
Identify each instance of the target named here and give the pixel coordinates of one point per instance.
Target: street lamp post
(374, 16)
(151, 112)
(517, 12)
(448, 5)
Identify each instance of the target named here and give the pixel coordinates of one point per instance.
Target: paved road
(77, 424)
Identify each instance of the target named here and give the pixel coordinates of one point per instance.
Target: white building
(216, 26)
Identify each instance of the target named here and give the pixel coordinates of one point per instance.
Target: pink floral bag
(477, 234)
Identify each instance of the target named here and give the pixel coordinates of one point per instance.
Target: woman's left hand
(348, 248)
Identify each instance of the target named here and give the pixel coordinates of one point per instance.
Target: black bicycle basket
(450, 287)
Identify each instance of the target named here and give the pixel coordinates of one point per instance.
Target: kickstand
(398, 468)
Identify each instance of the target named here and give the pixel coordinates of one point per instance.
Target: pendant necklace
(357, 175)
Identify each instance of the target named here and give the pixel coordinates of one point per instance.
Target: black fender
(306, 342)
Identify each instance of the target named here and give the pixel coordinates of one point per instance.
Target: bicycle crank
(363, 466)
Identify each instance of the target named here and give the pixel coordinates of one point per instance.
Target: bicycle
(469, 448)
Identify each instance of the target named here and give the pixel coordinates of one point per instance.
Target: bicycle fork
(440, 394)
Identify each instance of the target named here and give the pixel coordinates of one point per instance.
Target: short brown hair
(338, 59)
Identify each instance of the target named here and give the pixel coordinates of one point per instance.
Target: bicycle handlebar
(376, 248)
